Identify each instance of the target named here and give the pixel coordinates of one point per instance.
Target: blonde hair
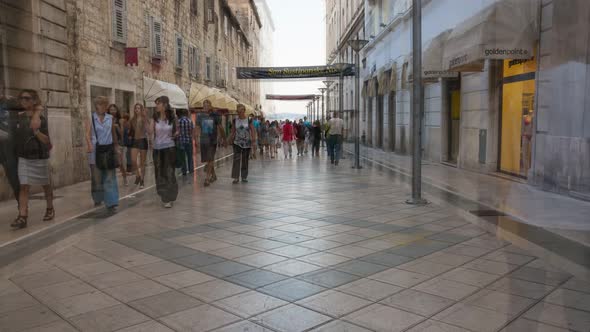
(101, 100)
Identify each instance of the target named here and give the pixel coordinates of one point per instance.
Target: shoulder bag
(105, 155)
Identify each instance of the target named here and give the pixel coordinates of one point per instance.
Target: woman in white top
(165, 131)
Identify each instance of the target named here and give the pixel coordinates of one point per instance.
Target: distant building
(266, 55)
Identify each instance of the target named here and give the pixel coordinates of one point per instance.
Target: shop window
(194, 7)
(208, 68)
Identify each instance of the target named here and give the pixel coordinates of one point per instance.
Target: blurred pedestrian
(165, 129)
(139, 127)
(185, 142)
(256, 122)
(307, 127)
(32, 149)
(316, 137)
(287, 139)
(264, 137)
(300, 137)
(209, 128)
(241, 138)
(274, 133)
(119, 125)
(336, 133)
(101, 140)
(9, 108)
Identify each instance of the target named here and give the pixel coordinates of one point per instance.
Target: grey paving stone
(416, 250)
(199, 260)
(167, 234)
(291, 289)
(224, 269)
(360, 268)
(256, 278)
(387, 259)
(174, 252)
(387, 228)
(144, 243)
(197, 229)
(329, 278)
(165, 304)
(292, 238)
(449, 237)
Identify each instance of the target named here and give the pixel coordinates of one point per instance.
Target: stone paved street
(301, 247)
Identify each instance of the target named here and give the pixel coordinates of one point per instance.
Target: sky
(300, 40)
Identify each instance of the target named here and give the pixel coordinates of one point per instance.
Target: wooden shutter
(156, 38)
(120, 21)
(191, 62)
(179, 58)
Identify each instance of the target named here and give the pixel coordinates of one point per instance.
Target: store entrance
(379, 125)
(454, 119)
(391, 120)
(518, 91)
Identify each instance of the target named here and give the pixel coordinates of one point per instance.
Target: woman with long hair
(138, 139)
(32, 149)
(101, 139)
(119, 125)
(242, 136)
(165, 129)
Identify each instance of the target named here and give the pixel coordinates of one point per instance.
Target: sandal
(49, 214)
(20, 222)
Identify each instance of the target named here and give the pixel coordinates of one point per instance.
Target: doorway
(391, 120)
(379, 124)
(454, 119)
(516, 116)
(370, 121)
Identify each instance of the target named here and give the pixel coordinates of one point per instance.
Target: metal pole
(417, 104)
(357, 110)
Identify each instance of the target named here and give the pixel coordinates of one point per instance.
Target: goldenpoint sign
(293, 72)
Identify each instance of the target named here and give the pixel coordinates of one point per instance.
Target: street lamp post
(327, 89)
(417, 104)
(357, 45)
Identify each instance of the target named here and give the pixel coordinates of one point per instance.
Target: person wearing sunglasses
(32, 149)
(242, 136)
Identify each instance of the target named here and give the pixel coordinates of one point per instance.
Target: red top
(288, 133)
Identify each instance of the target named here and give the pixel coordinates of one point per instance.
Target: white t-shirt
(336, 126)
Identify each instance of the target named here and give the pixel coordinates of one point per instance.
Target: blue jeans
(335, 147)
(186, 157)
(104, 186)
(329, 146)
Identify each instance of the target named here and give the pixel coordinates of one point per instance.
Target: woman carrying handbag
(101, 139)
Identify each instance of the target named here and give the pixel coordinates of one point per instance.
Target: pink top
(288, 133)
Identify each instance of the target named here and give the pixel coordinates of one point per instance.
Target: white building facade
(505, 88)
(266, 55)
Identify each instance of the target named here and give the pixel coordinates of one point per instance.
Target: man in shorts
(208, 128)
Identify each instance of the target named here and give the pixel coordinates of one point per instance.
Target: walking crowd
(120, 140)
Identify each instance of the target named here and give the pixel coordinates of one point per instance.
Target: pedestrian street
(303, 246)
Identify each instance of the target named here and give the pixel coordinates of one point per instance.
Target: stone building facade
(525, 118)
(74, 50)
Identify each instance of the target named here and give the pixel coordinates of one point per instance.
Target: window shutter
(197, 62)
(191, 57)
(179, 58)
(156, 38)
(194, 6)
(120, 21)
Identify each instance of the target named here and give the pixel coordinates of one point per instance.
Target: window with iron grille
(120, 21)
(179, 54)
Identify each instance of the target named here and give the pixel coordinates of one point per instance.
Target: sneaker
(168, 205)
(141, 184)
(245, 180)
(235, 181)
(336, 163)
(112, 209)
(332, 161)
(125, 182)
